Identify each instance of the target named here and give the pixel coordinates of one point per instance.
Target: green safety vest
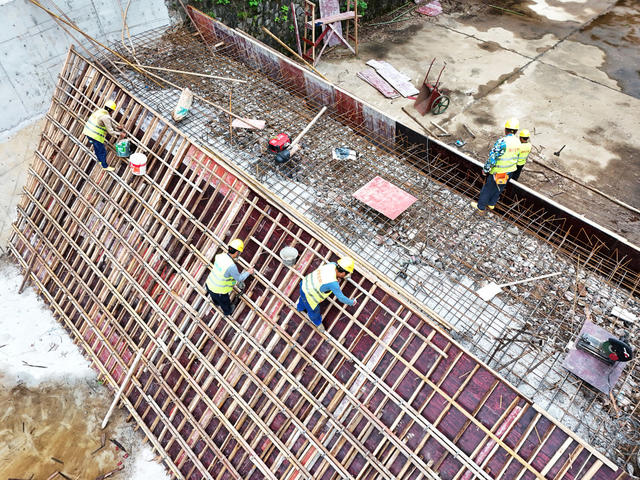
(217, 282)
(507, 161)
(93, 129)
(525, 150)
(312, 283)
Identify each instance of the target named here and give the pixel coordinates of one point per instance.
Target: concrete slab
(545, 67)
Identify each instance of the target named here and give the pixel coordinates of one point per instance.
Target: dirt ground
(57, 428)
(568, 71)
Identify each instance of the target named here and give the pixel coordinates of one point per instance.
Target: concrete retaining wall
(33, 47)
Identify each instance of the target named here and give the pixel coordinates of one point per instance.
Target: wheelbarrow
(431, 98)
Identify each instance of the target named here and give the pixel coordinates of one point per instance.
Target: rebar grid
(437, 250)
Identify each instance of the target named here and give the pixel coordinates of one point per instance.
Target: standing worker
(96, 129)
(502, 161)
(224, 275)
(319, 284)
(525, 150)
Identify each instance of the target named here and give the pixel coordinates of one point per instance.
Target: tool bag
(279, 143)
(184, 105)
(501, 178)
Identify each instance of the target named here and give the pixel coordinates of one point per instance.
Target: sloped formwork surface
(384, 393)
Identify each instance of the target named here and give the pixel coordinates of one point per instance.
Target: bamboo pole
(184, 72)
(121, 389)
(266, 30)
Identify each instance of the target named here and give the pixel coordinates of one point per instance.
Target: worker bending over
(319, 284)
(501, 162)
(96, 128)
(523, 154)
(224, 275)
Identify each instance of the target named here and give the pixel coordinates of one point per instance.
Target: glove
(355, 302)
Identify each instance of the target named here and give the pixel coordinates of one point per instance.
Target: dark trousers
(222, 300)
(490, 192)
(515, 175)
(101, 151)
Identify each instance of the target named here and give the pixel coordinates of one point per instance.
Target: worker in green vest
(321, 283)
(96, 128)
(499, 166)
(224, 276)
(525, 150)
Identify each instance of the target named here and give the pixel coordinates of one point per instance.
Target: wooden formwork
(384, 393)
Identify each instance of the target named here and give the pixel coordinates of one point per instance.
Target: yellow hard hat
(346, 263)
(525, 133)
(512, 124)
(110, 104)
(237, 244)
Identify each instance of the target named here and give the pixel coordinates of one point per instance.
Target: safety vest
(312, 283)
(93, 129)
(507, 161)
(217, 281)
(525, 150)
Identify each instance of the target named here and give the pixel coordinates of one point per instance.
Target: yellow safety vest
(507, 161)
(217, 281)
(312, 283)
(93, 129)
(525, 150)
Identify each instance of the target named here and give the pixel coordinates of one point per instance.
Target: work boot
(108, 169)
(478, 211)
(491, 207)
(320, 328)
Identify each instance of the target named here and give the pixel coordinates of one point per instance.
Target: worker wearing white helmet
(224, 275)
(499, 167)
(523, 155)
(321, 283)
(96, 128)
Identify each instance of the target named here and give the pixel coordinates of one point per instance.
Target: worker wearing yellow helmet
(523, 155)
(96, 128)
(224, 275)
(321, 283)
(499, 167)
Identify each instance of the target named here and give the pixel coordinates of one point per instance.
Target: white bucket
(289, 256)
(138, 163)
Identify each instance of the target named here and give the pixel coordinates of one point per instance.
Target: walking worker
(525, 150)
(224, 275)
(96, 128)
(501, 162)
(319, 284)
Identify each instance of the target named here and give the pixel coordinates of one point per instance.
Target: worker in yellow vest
(499, 166)
(225, 275)
(525, 150)
(321, 283)
(96, 128)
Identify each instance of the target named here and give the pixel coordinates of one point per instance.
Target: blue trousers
(490, 193)
(315, 315)
(101, 152)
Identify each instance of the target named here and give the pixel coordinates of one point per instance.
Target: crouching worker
(224, 275)
(319, 284)
(96, 128)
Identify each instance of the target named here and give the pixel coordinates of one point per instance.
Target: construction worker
(525, 150)
(224, 275)
(499, 166)
(319, 284)
(96, 128)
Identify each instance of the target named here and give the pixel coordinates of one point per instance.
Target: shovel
(489, 291)
(285, 155)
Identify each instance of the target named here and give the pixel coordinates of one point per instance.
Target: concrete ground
(557, 66)
(16, 154)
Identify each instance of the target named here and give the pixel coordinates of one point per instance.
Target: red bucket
(138, 163)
